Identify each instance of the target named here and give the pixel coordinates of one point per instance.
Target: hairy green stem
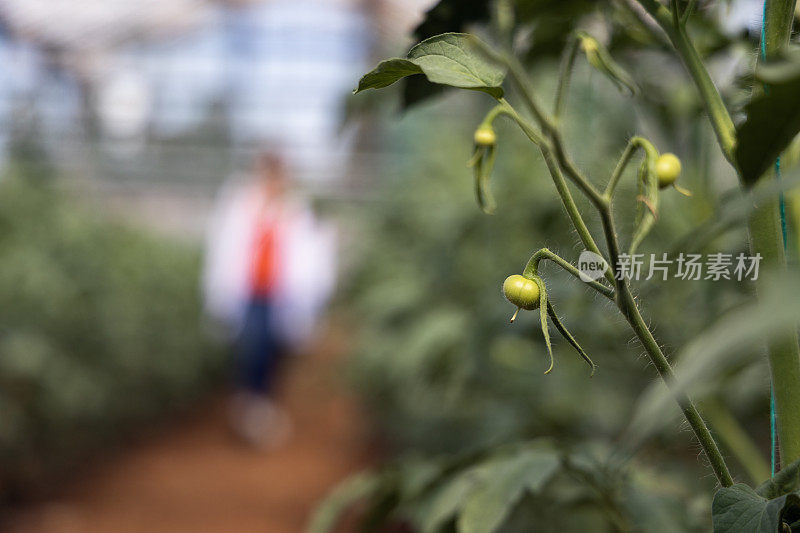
(561, 185)
(624, 298)
(550, 128)
(633, 144)
(619, 169)
(765, 232)
(627, 305)
(565, 75)
(532, 268)
(766, 238)
(718, 114)
(778, 26)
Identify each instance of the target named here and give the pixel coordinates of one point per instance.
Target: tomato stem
(718, 114)
(557, 160)
(627, 305)
(532, 268)
(565, 75)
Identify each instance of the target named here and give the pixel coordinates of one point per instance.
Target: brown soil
(196, 477)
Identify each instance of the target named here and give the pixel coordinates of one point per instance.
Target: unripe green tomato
(589, 45)
(485, 136)
(668, 168)
(521, 291)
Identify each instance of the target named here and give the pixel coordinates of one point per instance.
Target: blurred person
(269, 270)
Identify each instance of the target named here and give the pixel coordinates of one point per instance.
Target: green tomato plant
(772, 120)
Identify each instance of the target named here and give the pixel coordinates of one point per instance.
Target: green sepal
(598, 56)
(482, 165)
(543, 319)
(648, 187)
(570, 339)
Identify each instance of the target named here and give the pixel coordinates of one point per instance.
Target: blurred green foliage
(100, 331)
(450, 383)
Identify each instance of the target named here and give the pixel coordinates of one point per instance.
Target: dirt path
(195, 477)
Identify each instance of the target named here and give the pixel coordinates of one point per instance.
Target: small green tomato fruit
(668, 168)
(485, 136)
(589, 45)
(521, 291)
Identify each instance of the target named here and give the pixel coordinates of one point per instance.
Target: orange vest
(264, 265)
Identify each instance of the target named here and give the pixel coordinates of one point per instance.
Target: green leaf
(739, 509)
(350, 491)
(445, 17)
(387, 72)
(784, 482)
(448, 500)
(773, 120)
(454, 59)
(488, 505)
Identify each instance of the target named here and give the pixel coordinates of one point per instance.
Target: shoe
(259, 422)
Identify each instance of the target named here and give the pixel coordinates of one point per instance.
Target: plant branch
(561, 185)
(565, 76)
(765, 232)
(549, 127)
(688, 11)
(633, 144)
(533, 268)
(624, 298)
(712, 101)
(630, 311)
(676, 19)
(766, 238)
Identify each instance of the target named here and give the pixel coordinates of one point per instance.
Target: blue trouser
(259, 349)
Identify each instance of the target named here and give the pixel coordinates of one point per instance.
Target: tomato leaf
(773, 120)
(444, 17)
(453, 59)
(489, 503)
(785, 481)
(328, 513)
(448, 500)
(739, 509)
